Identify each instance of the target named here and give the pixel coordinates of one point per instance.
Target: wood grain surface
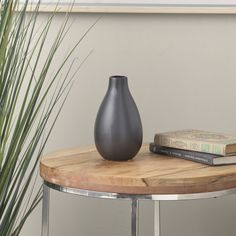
(147, 173)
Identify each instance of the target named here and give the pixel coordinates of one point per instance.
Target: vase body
(118, 129)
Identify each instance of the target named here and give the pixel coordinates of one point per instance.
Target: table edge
(153, 197)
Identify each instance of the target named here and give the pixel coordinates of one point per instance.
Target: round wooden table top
(147, 173)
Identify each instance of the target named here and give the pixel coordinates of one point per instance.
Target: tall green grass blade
(25, 113)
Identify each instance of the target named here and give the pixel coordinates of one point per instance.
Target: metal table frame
(134, 203)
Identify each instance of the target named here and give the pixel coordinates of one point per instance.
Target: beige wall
(182, 74)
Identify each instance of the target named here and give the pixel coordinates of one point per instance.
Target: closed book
(198, 140)
(205, 158)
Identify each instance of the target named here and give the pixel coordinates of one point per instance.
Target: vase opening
(118, 77)
(118, 81)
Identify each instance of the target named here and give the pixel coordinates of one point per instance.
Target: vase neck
(118, 82)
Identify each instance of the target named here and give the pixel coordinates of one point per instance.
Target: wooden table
(148, 176)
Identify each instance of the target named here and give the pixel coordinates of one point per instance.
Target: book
(204, 158)
(198, 140)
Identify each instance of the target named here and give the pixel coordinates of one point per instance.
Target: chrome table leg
(45, 214)
(135, 217)
(157, 219)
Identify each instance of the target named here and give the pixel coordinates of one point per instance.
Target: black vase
(118, 129)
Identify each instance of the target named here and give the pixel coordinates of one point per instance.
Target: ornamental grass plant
(29, 93)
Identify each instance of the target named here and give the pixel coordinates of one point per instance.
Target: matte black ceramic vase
(118, 129)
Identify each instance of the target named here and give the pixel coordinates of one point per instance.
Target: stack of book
(196, 145)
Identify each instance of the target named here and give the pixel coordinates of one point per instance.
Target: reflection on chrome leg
(45, 214)
(157, 219)
(135, 217)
